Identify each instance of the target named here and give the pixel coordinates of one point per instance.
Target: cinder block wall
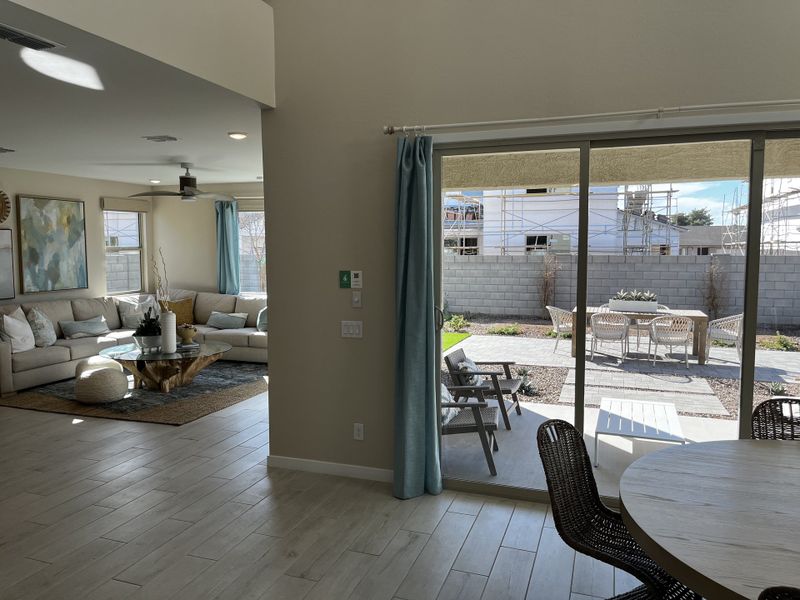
(510, 285)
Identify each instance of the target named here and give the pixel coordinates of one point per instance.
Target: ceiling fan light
(155, 181)
(237, 135)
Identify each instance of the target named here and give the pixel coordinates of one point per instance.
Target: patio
(703, 416)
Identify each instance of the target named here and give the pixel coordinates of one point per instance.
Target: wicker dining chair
(777, 419)
(726, 329)
(610, 327)
(562, 322)
(670, 330)
(589, 526)
(640, 325)
(780, 593)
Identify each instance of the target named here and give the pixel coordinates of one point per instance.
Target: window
(534, 243)
(123, 235)
(461, 245)
(702, 251)
(252, 252)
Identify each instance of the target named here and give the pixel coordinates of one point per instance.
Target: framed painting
(52, 244)
(6, 264)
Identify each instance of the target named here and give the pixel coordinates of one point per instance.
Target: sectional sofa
(39, 366)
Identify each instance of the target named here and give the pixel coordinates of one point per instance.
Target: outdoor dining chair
(465, 372)
(610, 327)
(589, 526)
(643, 325)
(562, 322)
(472, 416)
(777, 419)
(726, 329)
(780, 593)
(670, 330)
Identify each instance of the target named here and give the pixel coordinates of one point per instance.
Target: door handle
(439, 316)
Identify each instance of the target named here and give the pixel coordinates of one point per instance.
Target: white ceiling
(58, 127)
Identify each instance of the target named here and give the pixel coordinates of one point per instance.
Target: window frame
(141, 249)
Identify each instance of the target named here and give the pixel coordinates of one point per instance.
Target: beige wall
(344, 69)
(229, 43)
(90, 191)
(186, 232)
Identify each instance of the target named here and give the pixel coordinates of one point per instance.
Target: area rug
(218, 386)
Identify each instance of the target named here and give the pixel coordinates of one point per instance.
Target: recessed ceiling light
(154, 181)
(237, 135)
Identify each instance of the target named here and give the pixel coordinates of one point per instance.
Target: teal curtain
(417, 469)
(227, 247)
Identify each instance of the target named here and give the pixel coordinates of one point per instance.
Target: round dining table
(721, 517)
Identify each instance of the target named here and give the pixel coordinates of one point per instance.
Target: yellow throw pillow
(181, 308)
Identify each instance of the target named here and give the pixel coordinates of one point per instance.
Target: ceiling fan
(188, 189)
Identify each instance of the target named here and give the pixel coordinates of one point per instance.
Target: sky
(716, 196)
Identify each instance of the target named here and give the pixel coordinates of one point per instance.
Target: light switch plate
(352, 329)
(356, 299)
(356, 279)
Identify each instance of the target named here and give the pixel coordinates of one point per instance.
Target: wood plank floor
(101, 509)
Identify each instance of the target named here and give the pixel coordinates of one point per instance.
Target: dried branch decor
(162, 285)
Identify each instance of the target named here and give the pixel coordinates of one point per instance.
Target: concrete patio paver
(685, 403)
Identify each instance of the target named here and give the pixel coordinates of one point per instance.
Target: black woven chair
(589, 526)
(777, 419)
(780, 593)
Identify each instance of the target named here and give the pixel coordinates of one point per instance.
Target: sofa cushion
(261, 321)
(251, 306)
(235, 337)
(88, 346)
(87, 308)
(227, 320)
(39, 357)
(55, 310)
(181, 308)
(120, 336)
(44, 332)
(202, 330)
(206, 303)
(81, 329)
(257, 339)
(7, 309)
(16, 330)
(179, 294)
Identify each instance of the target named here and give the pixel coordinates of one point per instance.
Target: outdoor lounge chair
(562, 322)
(473, 416)
(589, 526)
(726, 329)
(498, 385)
(777, 419)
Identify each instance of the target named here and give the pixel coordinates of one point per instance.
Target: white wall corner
(330, 468)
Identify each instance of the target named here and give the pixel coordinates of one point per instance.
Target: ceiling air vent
(160, 138)
(23, 38)
(6, 150)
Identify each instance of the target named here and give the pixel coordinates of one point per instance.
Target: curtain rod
(655, 112)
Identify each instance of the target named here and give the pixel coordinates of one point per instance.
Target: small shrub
(456, 323)
(722, 343)
(527, 387)
(776, 388)
(552, 333)
(714, 291)
(510, 329)
(779, 342)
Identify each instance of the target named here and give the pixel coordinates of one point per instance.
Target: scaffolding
(777, 235)
(643, 208)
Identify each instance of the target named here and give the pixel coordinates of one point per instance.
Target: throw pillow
(132, 319)
(135, 304)
(451, 411)
(467, 365)
(183, 310)
(44, 334)
(227, 320)
(17, 331)
(93, 327)
(261, 321)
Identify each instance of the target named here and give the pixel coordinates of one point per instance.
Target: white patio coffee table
(637, 419)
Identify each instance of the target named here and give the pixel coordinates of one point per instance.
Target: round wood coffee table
(161, 371)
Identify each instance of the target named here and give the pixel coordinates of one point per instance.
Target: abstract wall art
(6, 264)
(52, 244)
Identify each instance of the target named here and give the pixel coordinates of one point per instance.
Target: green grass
(450, 339)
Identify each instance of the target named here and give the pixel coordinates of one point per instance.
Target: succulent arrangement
(149, 325)
(636, 295)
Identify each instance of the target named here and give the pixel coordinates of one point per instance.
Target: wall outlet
(358, 431)
(352, 329)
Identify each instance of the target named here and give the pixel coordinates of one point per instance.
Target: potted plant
(148, 334)
(634, 301)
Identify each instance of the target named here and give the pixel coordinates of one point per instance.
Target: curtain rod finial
(388, 129)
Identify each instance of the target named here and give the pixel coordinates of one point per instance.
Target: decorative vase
(644, 306)
(187, 333)
(169, 342)
(148, 344)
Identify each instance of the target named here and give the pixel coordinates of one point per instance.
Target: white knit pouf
(101, 385)
(96, 362)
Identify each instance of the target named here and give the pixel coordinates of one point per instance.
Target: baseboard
(330, 468)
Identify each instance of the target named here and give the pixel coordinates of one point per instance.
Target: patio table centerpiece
(634, 301)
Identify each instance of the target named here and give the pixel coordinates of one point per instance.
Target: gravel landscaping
(547, 381)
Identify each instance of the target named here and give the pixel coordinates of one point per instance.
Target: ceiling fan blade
(155, 194)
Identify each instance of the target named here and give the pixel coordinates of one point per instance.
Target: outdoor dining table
(721, 517)
(699, 318)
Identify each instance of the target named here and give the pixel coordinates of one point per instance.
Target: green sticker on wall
(344, 279)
